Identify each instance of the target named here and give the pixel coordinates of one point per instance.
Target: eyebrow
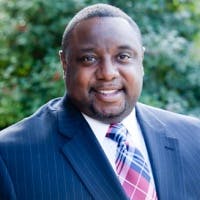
(123, 47)
(86, 49)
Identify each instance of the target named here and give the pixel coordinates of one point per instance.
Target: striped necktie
(132, 170)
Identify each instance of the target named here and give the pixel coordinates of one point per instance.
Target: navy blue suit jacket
(54, 155)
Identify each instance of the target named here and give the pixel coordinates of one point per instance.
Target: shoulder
(37, 122)
(174, 122)
(167, 116)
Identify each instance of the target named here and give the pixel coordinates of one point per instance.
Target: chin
(114, 116)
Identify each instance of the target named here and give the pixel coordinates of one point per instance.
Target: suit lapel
(86, 156)
(163, 154)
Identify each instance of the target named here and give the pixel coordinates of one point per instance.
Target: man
(63, 151)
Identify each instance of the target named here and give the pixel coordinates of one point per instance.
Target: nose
(107, 70)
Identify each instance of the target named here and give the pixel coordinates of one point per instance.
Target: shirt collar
(100, 129)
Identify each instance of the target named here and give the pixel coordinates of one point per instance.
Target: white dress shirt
(109, 146)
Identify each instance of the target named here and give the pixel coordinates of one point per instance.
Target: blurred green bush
(30, 37)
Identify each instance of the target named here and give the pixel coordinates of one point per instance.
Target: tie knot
(117, 132)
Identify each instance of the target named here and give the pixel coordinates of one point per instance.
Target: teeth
(107, 91)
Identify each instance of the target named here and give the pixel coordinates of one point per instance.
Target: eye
(124, 57)
(87, 59)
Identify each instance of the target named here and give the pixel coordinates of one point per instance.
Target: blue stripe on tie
(138, 169)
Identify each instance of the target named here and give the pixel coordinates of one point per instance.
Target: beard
(112, 117)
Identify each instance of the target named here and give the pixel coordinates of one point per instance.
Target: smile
(107, 92)
(108, 95)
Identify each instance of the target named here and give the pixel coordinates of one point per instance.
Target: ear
(142, 70)
(143, 51)
(63, 62)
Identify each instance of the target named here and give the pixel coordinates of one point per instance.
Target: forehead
(109, 31)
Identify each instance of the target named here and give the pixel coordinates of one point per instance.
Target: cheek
(134, 79)
(79, 80)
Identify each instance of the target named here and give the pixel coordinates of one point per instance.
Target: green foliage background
(30, 37)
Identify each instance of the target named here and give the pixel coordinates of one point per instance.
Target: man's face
(103, 67)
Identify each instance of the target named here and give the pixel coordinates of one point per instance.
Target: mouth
(107, 92)
(108, 95)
